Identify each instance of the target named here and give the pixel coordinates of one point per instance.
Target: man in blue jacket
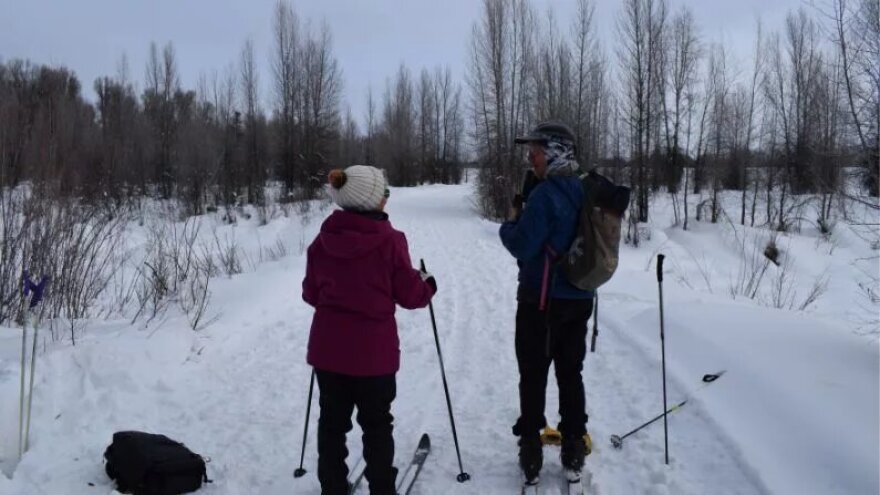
(552, 314)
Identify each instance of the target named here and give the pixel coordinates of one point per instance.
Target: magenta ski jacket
(358, 270)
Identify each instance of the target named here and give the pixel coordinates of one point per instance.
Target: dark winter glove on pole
(429, 279)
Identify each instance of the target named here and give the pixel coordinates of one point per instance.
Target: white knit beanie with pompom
(358, 187)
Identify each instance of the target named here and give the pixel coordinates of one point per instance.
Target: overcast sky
(370, 37)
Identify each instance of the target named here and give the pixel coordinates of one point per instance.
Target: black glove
(517, 202)
(429, 279)
(530, 180)
(516, 206)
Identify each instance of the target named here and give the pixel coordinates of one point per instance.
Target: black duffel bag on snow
(150, 464)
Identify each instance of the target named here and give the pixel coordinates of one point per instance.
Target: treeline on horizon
(658, 107)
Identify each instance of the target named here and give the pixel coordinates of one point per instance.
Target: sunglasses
(533, 151)
(387, 192)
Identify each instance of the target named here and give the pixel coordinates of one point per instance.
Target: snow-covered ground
(796, 412)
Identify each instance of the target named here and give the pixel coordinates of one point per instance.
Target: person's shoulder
(396, 235)
(572, 183)
(574, 179)
(577, 184)
(543, 190)
(561, 185)
(566, 191)
(314, 246)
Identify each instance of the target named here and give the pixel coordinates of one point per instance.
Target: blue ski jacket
(549, 220)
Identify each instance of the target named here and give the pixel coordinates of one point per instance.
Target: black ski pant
(566, 321)
(339, 394)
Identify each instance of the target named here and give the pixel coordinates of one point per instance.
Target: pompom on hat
(358, 187)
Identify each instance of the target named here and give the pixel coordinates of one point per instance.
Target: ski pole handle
(660, 258)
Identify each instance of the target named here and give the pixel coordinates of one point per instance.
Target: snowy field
(795, 413)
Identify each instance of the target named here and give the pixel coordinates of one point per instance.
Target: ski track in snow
(236, 391)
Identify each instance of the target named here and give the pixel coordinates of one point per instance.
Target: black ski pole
(300, 472)
(617, 440)
(663, 355)
(33, 294)
(595, 323)
(462, 476)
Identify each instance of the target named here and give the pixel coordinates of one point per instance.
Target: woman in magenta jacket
(358, 270)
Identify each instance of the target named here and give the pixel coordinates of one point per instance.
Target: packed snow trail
(475, 309)
(236, 391)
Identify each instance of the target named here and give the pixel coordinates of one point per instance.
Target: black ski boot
(572, 453)
(531, 456)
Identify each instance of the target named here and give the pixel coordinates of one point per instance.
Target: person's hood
(350, 235)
